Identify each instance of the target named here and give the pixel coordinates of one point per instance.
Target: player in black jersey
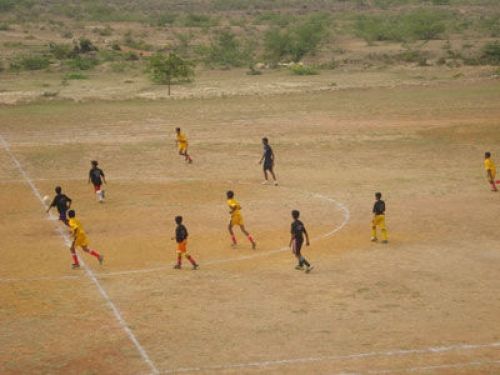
(96, 176)
(181, 235)
(62, 202)
(268, 159)
(379, 218)
(298, 231)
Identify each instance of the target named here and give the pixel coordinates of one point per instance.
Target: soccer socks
(94, 253)
(250, 238)
(179, 260)
(493, 186)
(233, 238)
(374, 232)
(75, 259)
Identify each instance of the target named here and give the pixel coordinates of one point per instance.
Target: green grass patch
(75, 76)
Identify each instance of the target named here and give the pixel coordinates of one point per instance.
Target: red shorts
(97, 188)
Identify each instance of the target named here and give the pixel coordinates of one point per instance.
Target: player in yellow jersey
(237, 219)
(79, 240)
(491, 170)
(182, 145)
(379, 218)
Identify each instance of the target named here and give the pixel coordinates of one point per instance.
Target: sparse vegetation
(420, 24)
(226, 50)
(30, 62)
(491, 53)
(165, 69)
(303, 70)
(297, 41)
(75, 76)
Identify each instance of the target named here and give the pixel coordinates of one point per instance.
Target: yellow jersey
(489, 165)
(234, 206)
(181, 138)
(76, 228)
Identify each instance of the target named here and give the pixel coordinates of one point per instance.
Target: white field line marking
(389, 353)
(437, 367)
(123, 324)
(41, 278)
(346, 217)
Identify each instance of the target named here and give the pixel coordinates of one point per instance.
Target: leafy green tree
(165, 69)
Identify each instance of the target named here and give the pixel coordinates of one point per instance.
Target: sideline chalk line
(121, 321)
(389, 353)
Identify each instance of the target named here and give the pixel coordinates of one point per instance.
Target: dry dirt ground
(427, 302)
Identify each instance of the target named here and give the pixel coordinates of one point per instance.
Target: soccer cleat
(385, 241)
(196, 266)
(234, 245)
(177, 267)
(374, 239)
(254, 245)
(75, 266)
(275, 183)
(101, 259)
(300, 268)
(308, 269)
(265, 182)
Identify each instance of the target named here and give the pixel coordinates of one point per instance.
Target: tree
(165, 69)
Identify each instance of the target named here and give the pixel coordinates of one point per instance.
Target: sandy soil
(427, 302)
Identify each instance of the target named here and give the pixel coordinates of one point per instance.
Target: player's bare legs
(231, 232)
(76, 263)
(94, 253)
(249, 236)
(186, 156)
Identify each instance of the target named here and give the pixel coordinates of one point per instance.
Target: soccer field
(426, 302)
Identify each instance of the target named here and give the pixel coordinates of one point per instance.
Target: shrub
(6, 5)
(165, 19)
(297, 41)
(227, 51)
(129, 41)
(199, 20)
(82, 63)
(75, 75)
(61, 51)
(30, 62)
(85, 45)
(103, 31)
(302, 70)
(491, 53)
(4, 26)
(420, 24)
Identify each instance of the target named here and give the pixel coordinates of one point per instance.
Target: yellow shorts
(236, 220)
(379, 221)
(81, 241)
(182, 147)
(182, 247)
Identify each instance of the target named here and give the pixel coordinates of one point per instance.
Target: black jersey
(62, 202)
(95, 175)
(298, 229)
(379, 207)
(268, 154)
(181, 233)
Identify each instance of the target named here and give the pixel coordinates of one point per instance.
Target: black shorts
(268, 165)
(297, 246)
